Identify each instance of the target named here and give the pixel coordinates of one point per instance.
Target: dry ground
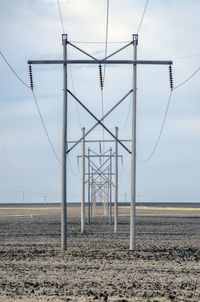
(98, 265)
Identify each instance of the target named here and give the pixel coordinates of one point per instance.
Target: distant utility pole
(125, 199)
(106, 61)
(89, 189)
(22, 196)
(116, 183)
(83, 185)
(101, 177)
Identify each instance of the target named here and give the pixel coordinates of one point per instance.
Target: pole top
(135, 39)
(64, 39)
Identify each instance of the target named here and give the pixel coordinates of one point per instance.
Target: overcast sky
(32, 30)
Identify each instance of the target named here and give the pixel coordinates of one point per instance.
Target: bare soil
(98, 265)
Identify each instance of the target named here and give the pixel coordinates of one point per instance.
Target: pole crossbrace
(99, 121)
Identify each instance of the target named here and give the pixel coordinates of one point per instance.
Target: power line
(106, 43)
(70, 165)
(34, 97)
(165, 116)
(104, 73)
(140, 24)
(61, 19)
(44, 127)
(128, 114)
(63, 31)
(144, 11)
(189, 78)
(160, 132)
(13, 70)
(78, 115)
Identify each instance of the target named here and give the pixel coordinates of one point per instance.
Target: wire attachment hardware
(101, 76)
(171, 78)
(31, 76)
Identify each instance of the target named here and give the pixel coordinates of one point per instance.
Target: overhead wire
(160, 132)
(72, 80)
(127, 117)
(60, 14)
(35, 100)
(44, 127)
(102, 77)
(106, 43)
(165, 115)
(139, 26)
(129, 108)
(73, 87)
(143, 14)
(189, 78)
(169, 100)
(14, 72)
(70, 70)
(104, 70)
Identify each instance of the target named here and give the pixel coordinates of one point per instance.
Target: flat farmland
(98, 265)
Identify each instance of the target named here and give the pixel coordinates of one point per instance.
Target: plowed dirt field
(98, 265)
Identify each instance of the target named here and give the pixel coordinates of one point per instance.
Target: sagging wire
(19, 78)
(77, 112)
(122, 172)
(63, 31)
(106, 43)
(61, 19)
(103, 74)
(79, 171)
(40, 114)
(70, 70)
(167, 109)
(160, 132)
(72, 80)
(189, 78)
(42, 120)
(144, 11)
(34, 97)
(164, 119)
(128, 114)
(70, 164)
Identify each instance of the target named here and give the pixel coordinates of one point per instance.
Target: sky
(32, 30)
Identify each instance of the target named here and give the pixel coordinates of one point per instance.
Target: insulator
(171, 77)
(101, 76)
(31, 76)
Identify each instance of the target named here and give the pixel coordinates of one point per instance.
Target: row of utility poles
(99, 179)
(65, 150)
(23, 197)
